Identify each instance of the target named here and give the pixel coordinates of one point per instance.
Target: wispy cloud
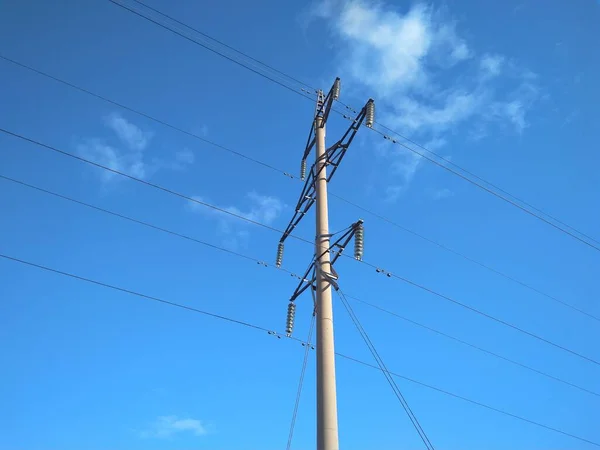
(131, 135)
(259, 208)
(167, 426)
(427, 78)
(128, 155)
(491, 65)
(440, 194)
(96, 150)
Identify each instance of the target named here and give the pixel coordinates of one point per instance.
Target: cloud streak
(130, 156)
(428, 80)
(167, 426)
(259, 208)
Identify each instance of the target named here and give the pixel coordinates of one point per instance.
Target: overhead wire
(405, 280)
(494, 186)
(277, 334)
(490, 191)
(473, 402)
(291, 176)
(301, 93)
(283, 269)
(229, 47)
(473, 346)
(468, 258)
(195, 41)
(143, 114)
(300, 382)
(148, 183)
(384, 370)
(479, 312)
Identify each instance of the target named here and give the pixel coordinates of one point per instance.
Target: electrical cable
(467, 258)
(473, 346)
(495, 194)
(147, 183)
(178, 33)
(475, 183)
(138, 294)
(287, 174)
(270, 332)
(473, 402)
(239, 52)
(300, 383)
(406, 280)
(449, 162)
(385, 371)
(479, 312)
(241, 255)
(145, 115)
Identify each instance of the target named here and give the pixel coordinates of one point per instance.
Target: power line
(239, 52)
(178, 33)
(468, 258)
(473, 182)
(296, 80)
(270, 332)
(243, 256)
(138, 294)
(406, 280)
(143, 114)
(485, 188)
(520, 200)
(474, 402)
(300, 383)
(148, 183)
(473, 346)
(287, 174)
(479, 312)
(246, 257)
(385, 371)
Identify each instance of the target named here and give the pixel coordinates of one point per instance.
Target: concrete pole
(327, 421)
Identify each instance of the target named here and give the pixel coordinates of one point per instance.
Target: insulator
(335, 91)
(279, 258)
(359, 241)
(370, 114)
(291, 314)
(303, 169)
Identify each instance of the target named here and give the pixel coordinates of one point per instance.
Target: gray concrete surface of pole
(327, 420)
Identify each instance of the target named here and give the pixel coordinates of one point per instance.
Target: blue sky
(505, 89)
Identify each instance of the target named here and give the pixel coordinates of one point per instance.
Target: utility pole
(320, 275)
(327, 420)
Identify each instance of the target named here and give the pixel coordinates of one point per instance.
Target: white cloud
(262, 209)
(419, 117)
(427, 79)
(440, 194)
(130, 158)
(130, 134)
(185, 156)
(167, 426)
(390, 52)
(130, 163)
(491, 65)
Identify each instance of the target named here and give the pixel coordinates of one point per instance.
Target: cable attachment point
(370, 113)
(359, 240)
(291, 315)
(279, 258)
(378, 270)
